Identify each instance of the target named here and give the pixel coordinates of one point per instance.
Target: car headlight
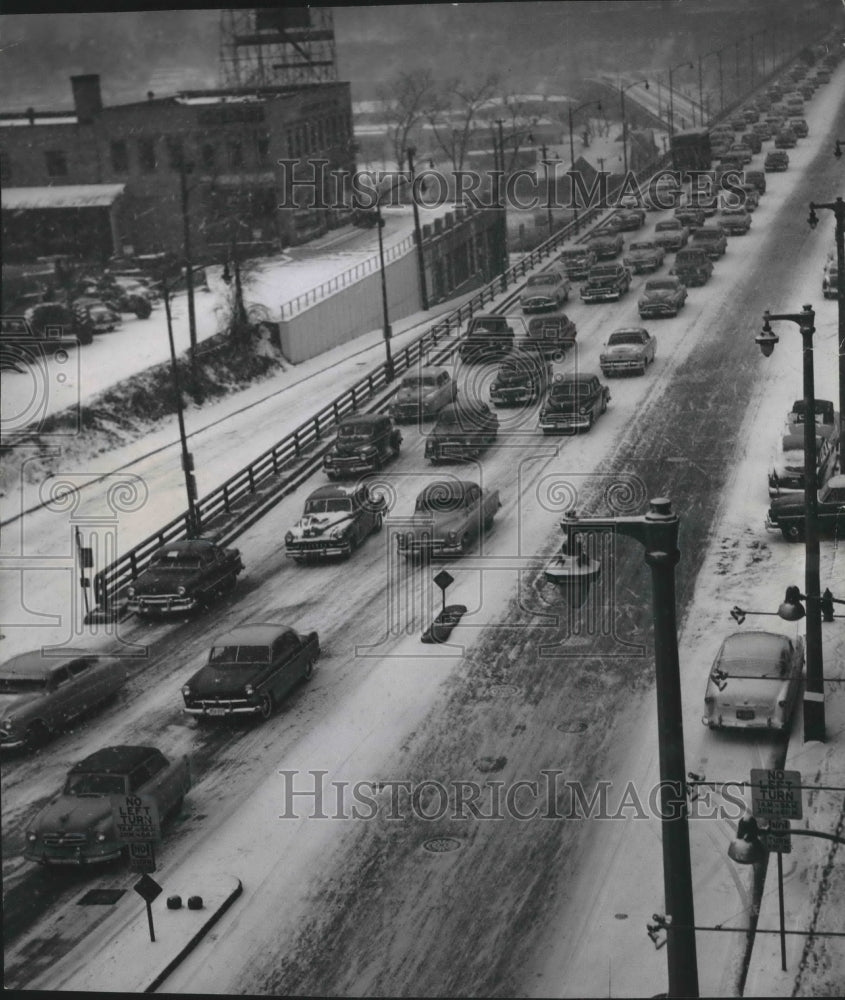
(338, 532)
(363, 453)
(249, 689)
(186, 690)
(180, 591)
(582, 409)
(7, 723)
(494, 385)
(131, 591)
(100, 836)
(288, 537)
(328, 459)
(31, 836)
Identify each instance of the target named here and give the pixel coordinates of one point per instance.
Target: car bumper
(628, 365)
(349, 466)
(222, 709)
(770, 525)
(512, 397)
(455, 452)
(535, 305)
(427, 548)
(12, 741)
(565, 422)
(83, 854)
(162, 605)
(759, 721)
(664, 309)
(601, 295)
(316, 550)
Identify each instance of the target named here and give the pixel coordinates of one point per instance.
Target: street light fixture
(625, 121)
(838, 209)
(814, 715)
(657, 532)
(574, 111)
(687, 65)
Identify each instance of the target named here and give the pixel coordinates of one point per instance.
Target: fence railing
(345, 278)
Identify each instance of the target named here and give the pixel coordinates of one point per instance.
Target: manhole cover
(503, 689)
(576, 726)
(101, 897)
(441, 845)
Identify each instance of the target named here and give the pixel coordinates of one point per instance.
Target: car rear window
(222, 656)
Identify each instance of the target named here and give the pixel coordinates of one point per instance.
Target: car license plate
(745, 713)
(216, 711)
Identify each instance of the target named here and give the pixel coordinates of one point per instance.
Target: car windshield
(625, 338)
(668, 224)
(763, 669)
(543, 279)
(22, 685)
(573, 254)
(641, 246)
(660, 286)
(355, 431)
(176, 559)
(566, 390)
(603, 272)
(488, 326)
(94, 785)
(329, 505)
(229, 656)
(418, 382)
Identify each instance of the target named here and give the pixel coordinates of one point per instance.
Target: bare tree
(403, 101)
(453, 112)
(518, 121)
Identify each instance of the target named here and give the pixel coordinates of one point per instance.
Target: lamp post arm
(818, 833)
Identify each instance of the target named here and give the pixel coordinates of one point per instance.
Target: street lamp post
(625, 120)
(688, 65)
(184, 170)
(838, 209)
(814, 715)
(411, 151)
(657, 532)
(574, 111)
(387, 332)
(544, 153)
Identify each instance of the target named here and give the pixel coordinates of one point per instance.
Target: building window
(147, 154)
(56, 163)
(208, 155)
(236, 154)
(262, 148)
(119, 156)
(175, 151)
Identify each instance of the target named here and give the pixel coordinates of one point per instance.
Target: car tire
(378, 523)
(793, 533)
(308, 671)
(267, 705)
(37, 734)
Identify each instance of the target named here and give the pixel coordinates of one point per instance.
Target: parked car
(762, 102)
(547, 290)
(830, 280)
(671, 234)
(629, 350)
(47, 320)
(776, 160)
(77, 828)
(800, 127)
(41, 694)
(606, 283)
(463, 431)
(522, 378)
(489, 336)
(786, 474)
(823, 75)
(643, 258)
(423, 393)
(662, 297)
(786, 514)
(735, 221)
(448, 516)
(754, 681)
(552, 336)
(785, 139)
(606, 245)
(183, 576)
(364, 443)
(827, 419)
(627, 219)
(762, 129)
(576, 262)
(573, 403)
(335, 521)
(692, 266)
(711, 239)
(758, 179)
(250, 669)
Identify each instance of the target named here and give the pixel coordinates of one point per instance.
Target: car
(738, 123)
(522, 378)
(43, 691)
(606, 283)
(754, 681)
(547, 290)
(249, 670)
(662, 297)
(750, 115)
(629, 201)
(774, 92)
(642, 258)
(762, 102)
(827, 419)
(776, 160)
(47, 320)
(800, 127)
(606, 245)
(762, 129)
(77, 827)
(574, 402)
(629, 350)
(463, 431)
(720, 146)
(823, 75)
(795, 106)
(830, 280)
(487, 336)
(449, 515)
(627, 219)
(552, 336)
(102, 318)
(807, 90)
(364, 443)
(734, 161)
(753, 141)
(750, 197)
(690, 216)
(735, 221)
(711, 239)
(422, 393)
(671, 234)
(742, 152)
(183, 576)
(786, 474)
(758, 179)
(785, 139)
(786, 514)
(335, 521)
(664, 192)
(692, 266)
(576, 262)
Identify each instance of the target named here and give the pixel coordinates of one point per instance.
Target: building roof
(61, 196)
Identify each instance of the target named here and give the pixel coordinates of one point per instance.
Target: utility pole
(410, 152)
(189, 270)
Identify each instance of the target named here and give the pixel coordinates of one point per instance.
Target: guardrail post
(275, 462)
(226, 499)
(296, 444)
(317, 431)
(251, 476)
(354, 398)
(336, 412)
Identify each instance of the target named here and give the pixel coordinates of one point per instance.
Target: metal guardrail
(345, 278)
(234, 506)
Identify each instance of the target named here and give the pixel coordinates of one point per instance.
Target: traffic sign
(776, 794)
(142, 857)
(147, 888)
(776, 836)
(135, 818)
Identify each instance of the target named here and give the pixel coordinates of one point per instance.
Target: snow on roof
(61, 196)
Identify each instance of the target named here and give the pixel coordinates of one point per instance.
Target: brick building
(99, 181)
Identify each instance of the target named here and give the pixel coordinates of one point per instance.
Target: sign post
(148, 889)
(136, 821)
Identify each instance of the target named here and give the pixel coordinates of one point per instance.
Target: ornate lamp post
(657, 532)
(814, 721)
